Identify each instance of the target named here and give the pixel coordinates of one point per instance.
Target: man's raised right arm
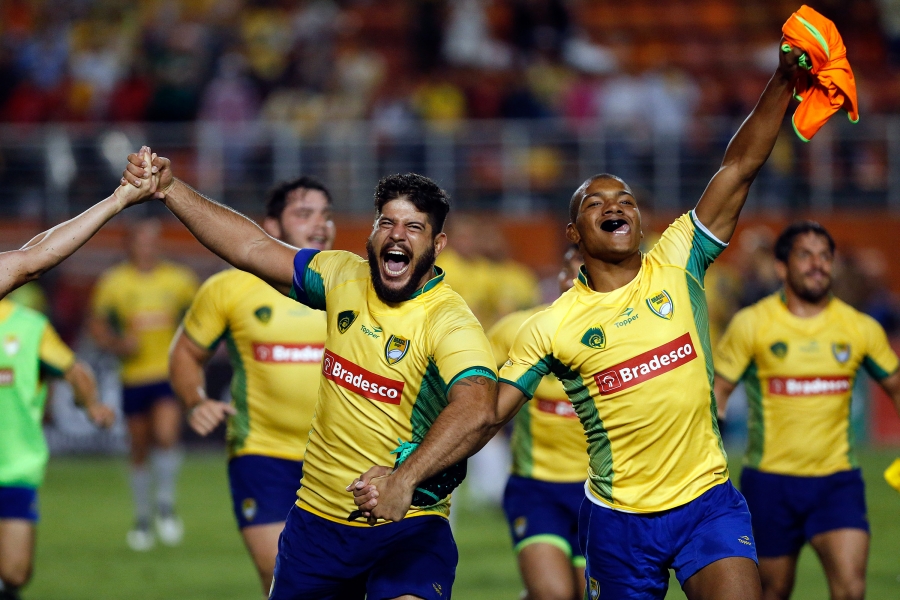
(226, 232)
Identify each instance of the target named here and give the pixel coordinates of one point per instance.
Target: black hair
(426, 195)
(578, 196)
(277, 198)
(785, 242)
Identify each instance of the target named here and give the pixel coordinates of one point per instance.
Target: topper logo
(288, 353)
(646, 366)
(352, 377)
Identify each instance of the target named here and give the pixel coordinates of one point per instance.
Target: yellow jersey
(148, 305)
(275, 346)
(637, 365)
(474, 280)
(386, 373)
(548, 441)
(799, 374)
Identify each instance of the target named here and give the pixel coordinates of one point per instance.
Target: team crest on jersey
(346, 319)
(661, 304)
(248, 507)
(593, 588)
(395, 349)
(11, 345)
(263, 313)
(520, 526)
(841, 351)
(779, 349)
(594, 338)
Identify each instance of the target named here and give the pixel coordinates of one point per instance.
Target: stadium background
(508, 104)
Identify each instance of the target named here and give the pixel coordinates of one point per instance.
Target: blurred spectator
(757, 268)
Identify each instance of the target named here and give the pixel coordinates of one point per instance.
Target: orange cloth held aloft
(829, 84)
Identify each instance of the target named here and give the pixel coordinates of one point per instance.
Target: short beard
(808, 295)
(420, 267)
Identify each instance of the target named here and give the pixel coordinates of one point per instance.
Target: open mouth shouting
(395, 262)
(616, 226)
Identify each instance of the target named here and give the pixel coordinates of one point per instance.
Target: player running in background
(136, 308)
(275, 347)
(31, 351)
(549, 465)
(407, 376)
(797, 353)
(51, 247)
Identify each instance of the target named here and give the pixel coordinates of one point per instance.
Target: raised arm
(724, 197)
(186, 361)
(228, 233)
(48, 249)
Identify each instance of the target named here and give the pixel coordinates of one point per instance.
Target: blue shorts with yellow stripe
(544, 512)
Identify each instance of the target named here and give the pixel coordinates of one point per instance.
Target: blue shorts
(263, 488)
(787, 511)
(19, 503)
(546, 512)
(319, 559)
(138, 399)
(629, 555)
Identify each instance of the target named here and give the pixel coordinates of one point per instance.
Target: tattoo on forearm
(478, 380)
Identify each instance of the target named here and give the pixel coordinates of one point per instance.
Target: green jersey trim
(239, 423)
(706, 232)
(472, 372)
(545, 538)
(522, 444)
(518, 386)
(430, 401)
(874, 369)
(756, 432)
(438, 277)
(851, 435)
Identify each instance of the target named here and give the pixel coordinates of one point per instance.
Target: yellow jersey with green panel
(548, 441)
(637, 366)
(275, 346)
(385, 375)
(799, 374)
(148, 305)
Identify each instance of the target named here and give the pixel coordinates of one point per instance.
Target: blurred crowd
(642, 64)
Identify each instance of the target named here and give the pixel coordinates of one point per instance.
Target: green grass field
(86, 511)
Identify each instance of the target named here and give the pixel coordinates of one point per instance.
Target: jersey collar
(438, 277)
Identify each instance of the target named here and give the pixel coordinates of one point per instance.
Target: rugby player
(136, 308)
(549, 464)
(275, 347)
(407, 375)
(31, 351)
(658, 491)
(51, 247)
(797, 353)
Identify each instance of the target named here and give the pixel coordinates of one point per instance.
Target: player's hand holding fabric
(101, 415)
(380, 493)
(207, 415)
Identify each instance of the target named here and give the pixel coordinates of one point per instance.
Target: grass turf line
(86, 510)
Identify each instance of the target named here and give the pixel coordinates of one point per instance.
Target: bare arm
(724, 197)
(51, 247)
(891, 385)
(186, 362)
(84, 385)
(722, 389)
(459, 431)
(226, 232)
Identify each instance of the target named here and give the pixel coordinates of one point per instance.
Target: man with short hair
(407, 377)
(135, 311)
(658, 495)
(31, 352)
(797, 352)
(549, 463)
(275, 348)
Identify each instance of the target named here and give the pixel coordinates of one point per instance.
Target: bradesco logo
(363, 382)
(288, 353)
(560, 408)
(646, 366)
(808, 386)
